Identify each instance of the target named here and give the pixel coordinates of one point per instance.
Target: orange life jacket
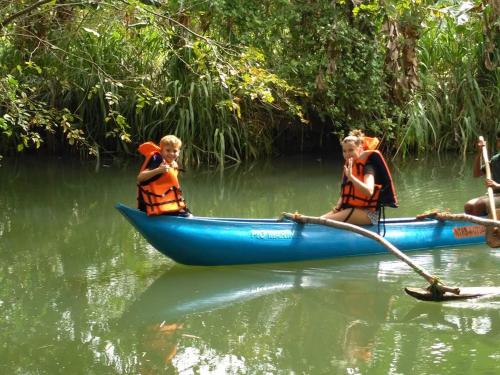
(162, 195)
(384, 193)
(370, 143)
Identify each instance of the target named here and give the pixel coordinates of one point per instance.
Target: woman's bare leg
(357, 217)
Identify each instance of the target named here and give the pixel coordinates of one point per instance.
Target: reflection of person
(358, 345)
(159, 189)
(159, 347)
(479, 206)
(366, 183)
(362, 330)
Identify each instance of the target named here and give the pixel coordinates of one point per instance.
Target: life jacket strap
(349, 195)
(149, 202)
(166, 202)
(175, 189)
(349, 215)
(381, 219)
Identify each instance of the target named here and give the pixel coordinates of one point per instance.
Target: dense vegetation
(241, 79)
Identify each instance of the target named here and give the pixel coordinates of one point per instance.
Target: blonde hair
(171, 140)
(355, 136)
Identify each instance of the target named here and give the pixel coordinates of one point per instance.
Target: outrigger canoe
(211, 241)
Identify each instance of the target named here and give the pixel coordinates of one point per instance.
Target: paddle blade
(424, 294)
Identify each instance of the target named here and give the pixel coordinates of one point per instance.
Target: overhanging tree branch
(22, 12)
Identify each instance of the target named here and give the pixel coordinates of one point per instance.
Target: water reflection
(83, 293)
(190, 319)
(264, 189)
(282, 297)
(182, 290)
(312, 186)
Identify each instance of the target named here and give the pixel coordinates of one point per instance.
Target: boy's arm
(150, 173)
(155, 166)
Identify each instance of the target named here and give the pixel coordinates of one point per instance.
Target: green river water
(82, 293)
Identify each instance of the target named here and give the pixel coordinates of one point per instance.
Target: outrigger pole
(437, 291)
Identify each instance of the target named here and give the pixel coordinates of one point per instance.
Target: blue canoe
(222, 241)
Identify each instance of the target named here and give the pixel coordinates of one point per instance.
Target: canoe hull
(224, 241)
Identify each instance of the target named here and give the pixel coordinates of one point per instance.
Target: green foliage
(26, 119)
(458, 98)
(138, 75)
(226, 76)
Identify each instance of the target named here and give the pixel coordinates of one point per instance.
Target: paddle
(491, 234)
(436, 291)
(491, 197)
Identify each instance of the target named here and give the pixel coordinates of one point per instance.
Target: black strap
(371, 201)
(349, 215)
(149, 195)
(166, 202)
(172, 188)
(381, 215)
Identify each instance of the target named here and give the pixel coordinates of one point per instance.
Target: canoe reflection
(181, 291)
(342, 291)
(355, 307)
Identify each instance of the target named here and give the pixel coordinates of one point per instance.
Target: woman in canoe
(366, 182)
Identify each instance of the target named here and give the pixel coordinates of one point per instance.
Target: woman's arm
(367, 186)
(338, 206)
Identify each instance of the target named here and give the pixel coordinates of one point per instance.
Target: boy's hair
(171, 140)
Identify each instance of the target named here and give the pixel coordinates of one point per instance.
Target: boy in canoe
(366, 182)
(159, 191)
(478, 206)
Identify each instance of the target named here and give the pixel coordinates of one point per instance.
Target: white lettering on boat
(469, 231)
(271, 234)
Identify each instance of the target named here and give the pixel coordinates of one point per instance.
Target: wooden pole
(442, 216)
(491, 197)
(433, 280)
